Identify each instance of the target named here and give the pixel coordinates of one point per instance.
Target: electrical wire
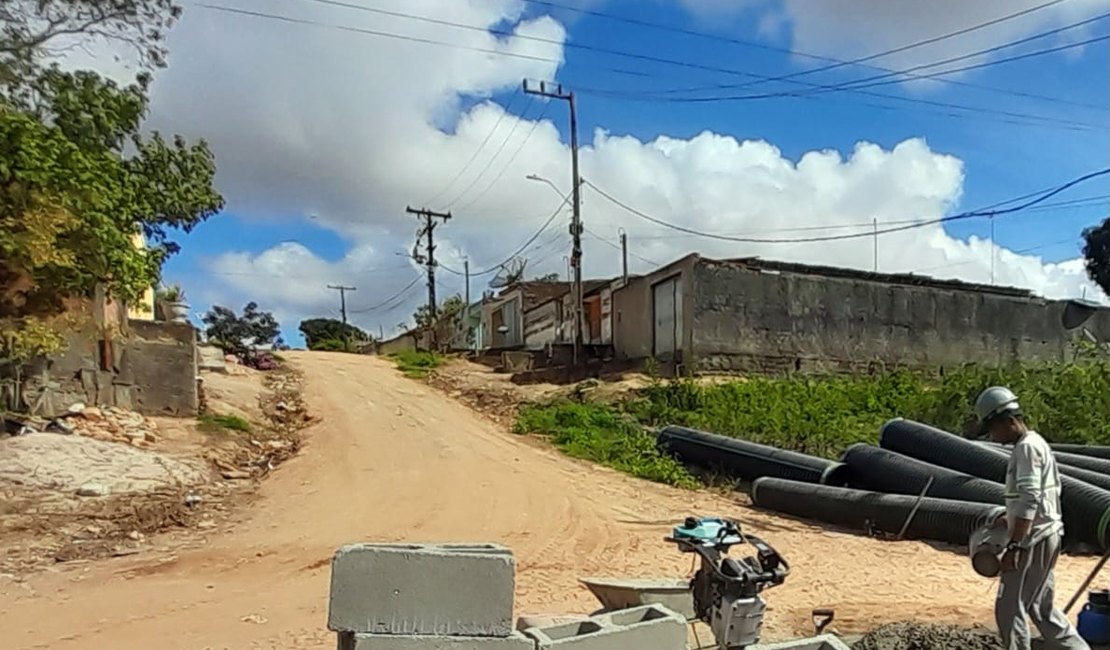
(500, 118)
(988, 212)
(400, 294)
(1022, 251)
(508, 163)
(617, 247)
(523, 246)
(629, 55)
(493, 158)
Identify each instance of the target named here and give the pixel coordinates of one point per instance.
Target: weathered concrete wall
(632, 310)
(160, 362)
(751, 320)
(151, 367)
(406, 342)
(542, 324)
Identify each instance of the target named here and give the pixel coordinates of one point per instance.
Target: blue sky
(359, 239)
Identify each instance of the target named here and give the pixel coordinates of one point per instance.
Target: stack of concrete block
(424, 597)
(648, 627)
(460, 597)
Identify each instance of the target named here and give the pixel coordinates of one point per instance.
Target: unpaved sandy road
(394, 460)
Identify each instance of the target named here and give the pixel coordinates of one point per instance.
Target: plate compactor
(726, 590)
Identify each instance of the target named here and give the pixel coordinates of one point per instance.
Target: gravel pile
(922, 636)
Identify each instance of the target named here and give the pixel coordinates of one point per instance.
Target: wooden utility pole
(429, 260)
(555, 91)
(342, 298)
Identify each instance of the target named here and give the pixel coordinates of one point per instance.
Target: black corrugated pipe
(1091, 451)
(942, 520)
(1086, 508)
(739, 458)
(882, 470)
(1089, 463)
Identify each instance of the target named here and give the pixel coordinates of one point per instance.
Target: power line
(794, 52)
(400, 294)
(802, 240)
(617, 246)
(525, 245)
(509, 162)
(489, 163)
(630, 55)
(500, 118)
(1022, 251)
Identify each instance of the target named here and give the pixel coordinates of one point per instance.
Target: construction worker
(1035, 529)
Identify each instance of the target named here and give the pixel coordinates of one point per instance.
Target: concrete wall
(752, 320)
(406, 342)
(149, 366)
(542, 324)
(632, 310)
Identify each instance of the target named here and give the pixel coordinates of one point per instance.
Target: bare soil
(156, 481)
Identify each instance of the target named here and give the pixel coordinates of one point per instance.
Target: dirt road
(395, 460)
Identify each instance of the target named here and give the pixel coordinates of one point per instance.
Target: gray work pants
(1030, 589)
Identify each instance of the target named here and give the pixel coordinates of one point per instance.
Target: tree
(327, 333)
(449, 309)
(240, 335)
(1096, 253)
(79, 182)
(32, 32)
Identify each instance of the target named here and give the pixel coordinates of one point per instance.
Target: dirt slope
(395, 460)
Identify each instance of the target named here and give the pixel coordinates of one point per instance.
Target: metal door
(667, 319)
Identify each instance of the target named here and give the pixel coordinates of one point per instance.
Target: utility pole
(430, 250)
(342, 298)
(466, 305)
(555, 91)
(875, 228)
(992, 248)
(624, 257)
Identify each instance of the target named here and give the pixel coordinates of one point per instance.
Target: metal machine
(726, 590)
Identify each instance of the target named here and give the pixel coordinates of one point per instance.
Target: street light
(534, 177)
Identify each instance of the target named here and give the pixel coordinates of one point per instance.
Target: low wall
(150, 368)
(752, 320)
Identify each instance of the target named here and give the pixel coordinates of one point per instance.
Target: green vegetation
(602, 434)
(416, 364)
(821, 415)
(216, 423)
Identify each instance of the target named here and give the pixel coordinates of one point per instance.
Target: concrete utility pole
(466, 305)
(430, 250)
(555, 91)
(342, 298)
(875, 229)
(624, 256)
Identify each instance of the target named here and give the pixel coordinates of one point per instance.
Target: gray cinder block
(650, 627)
(422, 589)
(357, 641)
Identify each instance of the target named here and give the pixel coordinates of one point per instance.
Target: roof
(856, 274)
(535, 293)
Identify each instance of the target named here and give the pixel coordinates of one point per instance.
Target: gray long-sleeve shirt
(1033, 487)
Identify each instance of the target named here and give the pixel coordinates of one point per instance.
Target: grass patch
(216, 423)
(416, 364)
(602, 434)
(1065, 402)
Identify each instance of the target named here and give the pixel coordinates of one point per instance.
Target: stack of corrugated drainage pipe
(882, 470)
(1066, 460)
(1092, 451)
(942, 520)
(745, 460)
(1086, 507)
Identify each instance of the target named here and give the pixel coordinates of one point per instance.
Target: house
(502, 317)
(143, 309)
(753, 315)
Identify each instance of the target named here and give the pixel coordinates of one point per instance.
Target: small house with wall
(753, 315)
(502, 319)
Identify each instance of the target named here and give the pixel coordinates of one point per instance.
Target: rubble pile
(113, 424)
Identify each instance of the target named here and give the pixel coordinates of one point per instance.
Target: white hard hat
(994, 401)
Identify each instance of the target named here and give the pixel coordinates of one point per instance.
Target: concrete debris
(114, 424)
(92, 490)
(923, 636)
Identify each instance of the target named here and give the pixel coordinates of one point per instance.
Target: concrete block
(429, 589)
(650, 627)
(822, 642)
(357, 641)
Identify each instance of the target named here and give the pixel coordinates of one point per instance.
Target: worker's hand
(1010, 561)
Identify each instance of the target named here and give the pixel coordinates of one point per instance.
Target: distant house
(143, 309)
(502, 317)
(754, 315)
